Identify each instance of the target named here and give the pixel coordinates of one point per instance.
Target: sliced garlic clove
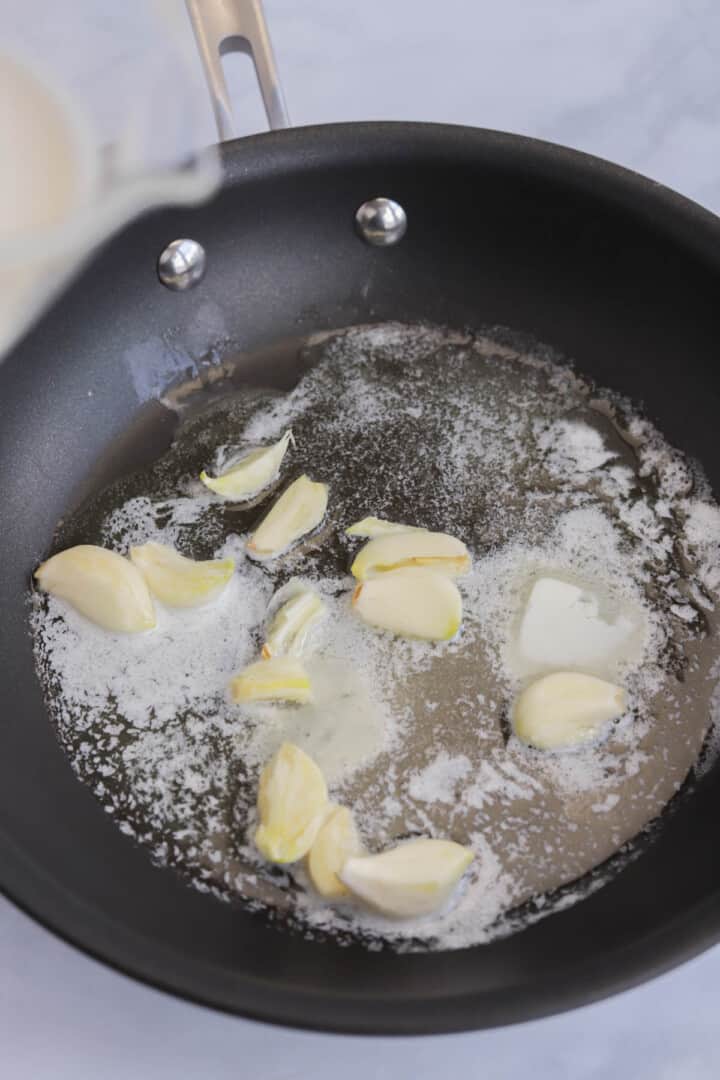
(299, 510)
(566, 709)
(412, 602)
(177, 581)
(335, 843)
(292, 803)
(279, 679)
(435, 551)
(371, 527)
(292, 624)
(102, 585)
(414, 879)
(251, 474)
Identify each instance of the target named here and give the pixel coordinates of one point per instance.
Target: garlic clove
(102, 585)
(566, 709)
(335, 843)
(408, 881)
(412, 602)
(298, 511)
(292, 803)
(292, 623)
(251, 473)
(281, 678)
(371, 527)
(177, 581)
(435, 551)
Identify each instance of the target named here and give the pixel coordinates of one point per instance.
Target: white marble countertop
(635, 81)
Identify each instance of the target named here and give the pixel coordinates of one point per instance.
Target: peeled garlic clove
(566, 709)
(278, 679)
(414, 879)
(177, 581)
(335, 843)
(411, 602)
(300, 508)
(436, 551)
(251, 474)
(292, 802)
(102, 585)
(374, 526)
(292, 623)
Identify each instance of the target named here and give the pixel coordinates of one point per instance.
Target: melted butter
(342, 729)
(572, 624)
(454, 434)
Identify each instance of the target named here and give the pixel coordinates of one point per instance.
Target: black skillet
(608, 267)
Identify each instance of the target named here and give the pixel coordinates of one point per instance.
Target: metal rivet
(381, 222)
(182, 264)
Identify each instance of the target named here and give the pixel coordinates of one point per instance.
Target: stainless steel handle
(226, 26)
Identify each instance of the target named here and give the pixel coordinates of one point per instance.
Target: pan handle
(226, 26)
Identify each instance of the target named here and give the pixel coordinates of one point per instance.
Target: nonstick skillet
(610, 268)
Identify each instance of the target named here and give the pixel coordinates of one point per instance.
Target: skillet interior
(613, 271)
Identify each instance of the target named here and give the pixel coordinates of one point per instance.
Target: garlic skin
(281, 678)
(103, 586)
(298, 511)
(435, 551)
(292, 623)
(292, 804)
(370, 527)
(566, 709)
(414, 879)
(411, 602)
(177, 581)
(251, 474)
(336, 842)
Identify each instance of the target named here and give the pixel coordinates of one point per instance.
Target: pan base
(490, 438)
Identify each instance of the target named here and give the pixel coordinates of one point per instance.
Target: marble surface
(632, 80)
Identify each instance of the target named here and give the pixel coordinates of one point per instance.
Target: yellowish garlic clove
(336, 842)
(281, 678)
(436, 551)
(370, 527)
(177, 581)
(566, 709)
(412, 602)
(102, 585)
(251, 473)
(414, 879)
(292, 803)
(292, 623)
(298, 511)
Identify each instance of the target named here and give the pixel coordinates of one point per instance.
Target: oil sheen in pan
(493, 439)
